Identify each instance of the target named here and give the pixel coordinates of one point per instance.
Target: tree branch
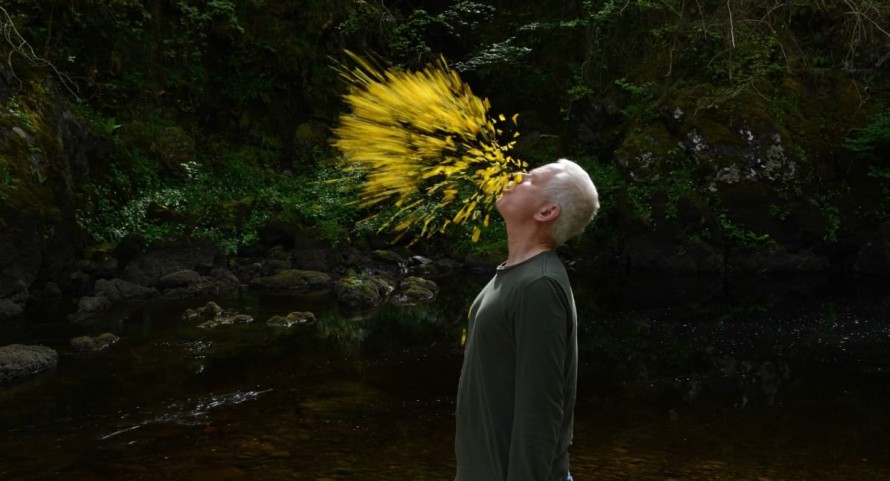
(18, 45)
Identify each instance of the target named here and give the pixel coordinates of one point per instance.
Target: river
(681, 379)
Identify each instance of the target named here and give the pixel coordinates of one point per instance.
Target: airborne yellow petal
(418, 140)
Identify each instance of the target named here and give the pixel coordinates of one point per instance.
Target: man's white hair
(573, 191)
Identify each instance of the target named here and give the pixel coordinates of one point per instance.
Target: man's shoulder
(552, 266)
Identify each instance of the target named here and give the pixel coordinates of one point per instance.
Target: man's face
(523, 199)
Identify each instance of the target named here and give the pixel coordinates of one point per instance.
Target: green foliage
(829, 208)
(499, 53)
(615, 194)
(421, 37)
(253, 71)
(741, 235)
(779, 212)
(408, 42)
(7, 181)
(873, 140)
(640, 109)
(871, 144)
(23, 116)
(226, 203)
(360, 19)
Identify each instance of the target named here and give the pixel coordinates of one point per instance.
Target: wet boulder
(170, 257)
(225, 319)
(119, 289)
(207, 312)
(294, 280)
(414, 290)
(291, 319)
(183, 278)
(19, 361)
(385, 262)
(94, 344)
(388, 256)
(361, 292)
(184, 285)
(105, 293)
(9, 309)
(421, 266)
(89, 305)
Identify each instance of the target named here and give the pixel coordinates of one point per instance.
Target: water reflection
(681, 379)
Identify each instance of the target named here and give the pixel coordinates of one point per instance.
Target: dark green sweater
(516, 397)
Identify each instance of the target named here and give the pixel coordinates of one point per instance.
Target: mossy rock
(643, 156)
(207, 312)
(19, 361)
(294, 280)
(414, 290)
(94, 344)
(291, 319)
(359, 292)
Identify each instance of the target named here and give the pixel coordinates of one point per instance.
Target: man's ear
(547, 213)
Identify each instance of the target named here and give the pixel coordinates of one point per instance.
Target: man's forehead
(547, 168)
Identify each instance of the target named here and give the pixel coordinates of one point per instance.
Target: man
(516, 397)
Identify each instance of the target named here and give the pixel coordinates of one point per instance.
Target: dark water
(681, 379)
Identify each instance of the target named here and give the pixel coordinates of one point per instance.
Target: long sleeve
(541, 325)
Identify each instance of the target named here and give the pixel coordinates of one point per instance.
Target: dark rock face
(18, 361)
(39, 236)
(729, 188)
(649, 251)
(20, 254)
(38, 232)
(776, 260)
(874, 257)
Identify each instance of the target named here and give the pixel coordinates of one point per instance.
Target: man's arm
(541, 337)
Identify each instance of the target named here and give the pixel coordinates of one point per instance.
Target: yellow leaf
(418, 139)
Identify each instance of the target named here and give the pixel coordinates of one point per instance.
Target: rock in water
(18, 361)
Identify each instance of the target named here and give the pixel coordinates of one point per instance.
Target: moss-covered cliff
(723, 137)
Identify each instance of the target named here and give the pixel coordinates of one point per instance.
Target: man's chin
(497, 206)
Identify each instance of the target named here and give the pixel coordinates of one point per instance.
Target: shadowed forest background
(182, 266)
(741, 136)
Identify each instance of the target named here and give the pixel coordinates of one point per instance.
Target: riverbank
(693, 381)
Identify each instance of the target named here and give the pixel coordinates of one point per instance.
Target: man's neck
(523, 249)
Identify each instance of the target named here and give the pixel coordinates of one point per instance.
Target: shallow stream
(681, 379)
